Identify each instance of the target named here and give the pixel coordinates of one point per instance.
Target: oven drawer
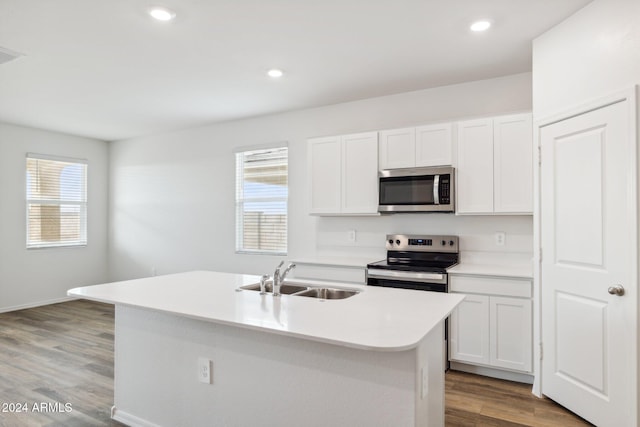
(520, 288)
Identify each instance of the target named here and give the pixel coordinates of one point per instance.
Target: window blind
(56, 197)
(261, 200)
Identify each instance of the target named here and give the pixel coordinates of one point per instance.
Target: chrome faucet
(278, 277)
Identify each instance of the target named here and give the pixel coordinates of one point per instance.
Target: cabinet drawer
(491, 285)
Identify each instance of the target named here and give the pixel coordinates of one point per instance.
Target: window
(261, 200)
(56, 202)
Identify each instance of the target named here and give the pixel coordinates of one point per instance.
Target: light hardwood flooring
(473, 400)
(60, 353)
(63, 354)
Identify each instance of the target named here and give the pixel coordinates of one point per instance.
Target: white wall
(172, 195)
(36, 276)
(593, 53)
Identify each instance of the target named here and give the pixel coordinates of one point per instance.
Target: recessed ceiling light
(162, 13)
(275, 73)
(479, 26)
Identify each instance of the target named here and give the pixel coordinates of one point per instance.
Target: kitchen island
(373, 359)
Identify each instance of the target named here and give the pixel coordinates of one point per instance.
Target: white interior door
(588, 240)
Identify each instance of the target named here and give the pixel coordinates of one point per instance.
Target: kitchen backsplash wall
(477, 233)
(172, 196)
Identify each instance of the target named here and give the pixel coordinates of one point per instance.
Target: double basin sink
(305, 291)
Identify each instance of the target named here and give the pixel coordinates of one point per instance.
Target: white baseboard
(35, 304)
(491, 372)
(129, 419)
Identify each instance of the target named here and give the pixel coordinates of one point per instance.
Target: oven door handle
(408, 276)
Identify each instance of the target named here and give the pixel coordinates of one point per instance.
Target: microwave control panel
(444, 189)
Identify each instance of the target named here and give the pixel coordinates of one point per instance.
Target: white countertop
(521, 270)
(383, 319)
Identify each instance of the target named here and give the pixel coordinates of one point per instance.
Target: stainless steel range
(415, 262)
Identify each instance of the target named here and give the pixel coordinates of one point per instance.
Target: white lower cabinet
(469, 337)
(493, 325)
(510, 334)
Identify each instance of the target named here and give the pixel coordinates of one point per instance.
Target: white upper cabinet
(324, 156)
(513, 164)
(475, 166)
(344, 174)
(434, 145)
(360, 173)
(416, 147)
(397, 148)
(495, 165)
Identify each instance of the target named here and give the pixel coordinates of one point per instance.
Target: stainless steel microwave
(427, 189)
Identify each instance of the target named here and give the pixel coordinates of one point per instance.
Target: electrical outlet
(351, 236)
(500, 238)
(205, 370)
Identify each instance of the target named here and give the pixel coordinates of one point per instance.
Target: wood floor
(63, 354)
(472, 400)
(58, 354)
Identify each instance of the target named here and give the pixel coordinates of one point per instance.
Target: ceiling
(105, 69)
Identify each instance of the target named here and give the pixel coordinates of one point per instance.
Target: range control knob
(442, 242)
(391, 241)
(397, 242)
(451, 243)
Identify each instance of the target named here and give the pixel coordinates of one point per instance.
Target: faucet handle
(263, 284)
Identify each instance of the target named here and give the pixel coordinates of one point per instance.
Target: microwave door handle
(436, 189)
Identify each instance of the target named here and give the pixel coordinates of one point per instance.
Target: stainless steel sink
(303, 290)
(285, 288)
(328, 293)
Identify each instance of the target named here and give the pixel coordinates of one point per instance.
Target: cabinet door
(434, 145)
(469, 327)
(397, 148)
(513, 164)
(510, 333)
(360, 173)
(475, 167)
(324, 166)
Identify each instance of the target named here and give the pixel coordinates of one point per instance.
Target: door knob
(616, 290)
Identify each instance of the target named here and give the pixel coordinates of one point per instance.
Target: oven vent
(7, 55)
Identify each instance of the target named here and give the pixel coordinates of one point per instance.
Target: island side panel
(430, 381)
(259, 378)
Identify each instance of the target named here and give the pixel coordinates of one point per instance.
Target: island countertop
(381, 319)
